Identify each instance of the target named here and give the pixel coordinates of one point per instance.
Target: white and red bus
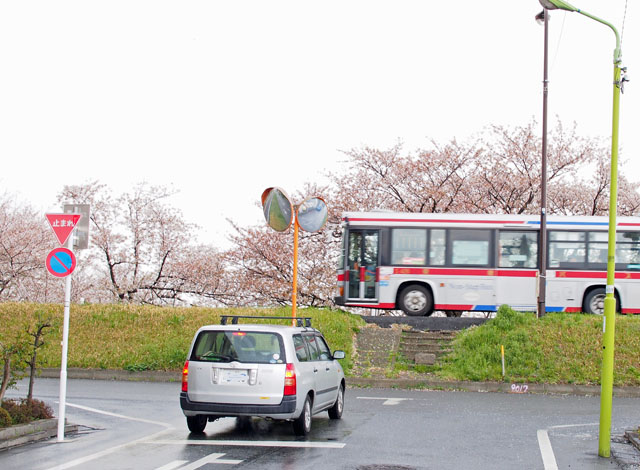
(419, 263)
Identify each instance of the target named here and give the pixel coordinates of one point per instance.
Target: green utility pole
(609, 326)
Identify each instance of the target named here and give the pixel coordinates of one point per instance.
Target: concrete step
(429, 334)
(417, 342)
(425, 343)
(427, 349)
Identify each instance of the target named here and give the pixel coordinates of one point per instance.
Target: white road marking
(173, 465)
(561, 426)
(548, 459)
(211, 458)
(90, 457)
(295, 444)
(116, 415)
(387, 401)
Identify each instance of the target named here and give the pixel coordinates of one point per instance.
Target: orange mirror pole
(294, 295)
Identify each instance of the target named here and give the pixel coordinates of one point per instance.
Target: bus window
(437, 245)
(628, 250)
(343, 249)
(598, 248)
(470, 247)
(409, 246)
(567, 249)
(518, 249)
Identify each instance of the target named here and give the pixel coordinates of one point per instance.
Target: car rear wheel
(196, 424)
(335, 412)
(302, 424)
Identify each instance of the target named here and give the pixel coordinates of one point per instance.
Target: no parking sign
(61, 262)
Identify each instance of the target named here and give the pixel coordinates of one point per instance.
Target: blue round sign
(61, 262)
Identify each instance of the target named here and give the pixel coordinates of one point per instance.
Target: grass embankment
(558, 348)
(136, 338)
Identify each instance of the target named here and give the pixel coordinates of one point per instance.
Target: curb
(501, 387)
(112, 374)
(423, 383)
(36, 431)
(634, 438)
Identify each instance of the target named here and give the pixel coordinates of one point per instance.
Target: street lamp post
(542, 281)
(606, 390)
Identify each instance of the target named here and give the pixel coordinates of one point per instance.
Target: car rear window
(242, 346)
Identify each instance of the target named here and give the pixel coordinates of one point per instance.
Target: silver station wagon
(270, 371)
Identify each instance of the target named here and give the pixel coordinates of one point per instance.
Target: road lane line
(211, 458)
(298, 444)
(563, 426)
(102, 453)
(548, 459)
(387, 401)
(116, 415)
(172, 465)
(96, 455)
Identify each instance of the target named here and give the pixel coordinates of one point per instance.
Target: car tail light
(290, 380)
(185, 377)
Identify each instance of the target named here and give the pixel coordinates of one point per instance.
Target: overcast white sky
(224, 99)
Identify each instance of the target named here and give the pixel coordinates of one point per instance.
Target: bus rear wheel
(594, 301)
(416, 301)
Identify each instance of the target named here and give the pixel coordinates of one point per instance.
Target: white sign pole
(63, 364)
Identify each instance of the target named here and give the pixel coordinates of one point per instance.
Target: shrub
(36, 409)
(15, 411)
(25, 410)
(5, 418)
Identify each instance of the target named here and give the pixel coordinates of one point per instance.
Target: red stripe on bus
(595, 275)
(572, 309)
(387, 306)
(465, 272)
(631, 310)
(439, 221)
(445, 271)
(453, 307)
(517, 273)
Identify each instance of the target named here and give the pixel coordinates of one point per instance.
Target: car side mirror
(338, 354)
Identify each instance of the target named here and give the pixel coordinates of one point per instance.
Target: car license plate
(235, 376)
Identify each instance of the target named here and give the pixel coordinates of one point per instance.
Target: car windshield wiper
(215, 356)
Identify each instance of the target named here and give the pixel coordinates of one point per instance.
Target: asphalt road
(139, 425)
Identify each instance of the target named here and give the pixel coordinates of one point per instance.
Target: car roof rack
(300, 321)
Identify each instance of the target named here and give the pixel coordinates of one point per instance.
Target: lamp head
(540, 17)
(557, 5)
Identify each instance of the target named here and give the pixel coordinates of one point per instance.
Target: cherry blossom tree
(261, 261)
(142, 249)
(142, 246)
(24, 238)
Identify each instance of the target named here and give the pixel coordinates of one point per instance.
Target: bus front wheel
(416, 300)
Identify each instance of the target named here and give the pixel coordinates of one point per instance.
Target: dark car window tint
(314, 354)
(301, 349)
(325, 352)
(242, 346)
